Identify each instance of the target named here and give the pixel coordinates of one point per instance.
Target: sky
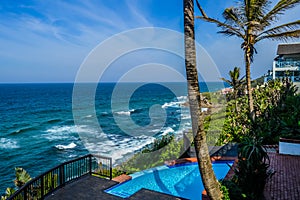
(47, 41)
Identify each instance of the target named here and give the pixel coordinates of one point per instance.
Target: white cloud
(137, 15)
(58, 35)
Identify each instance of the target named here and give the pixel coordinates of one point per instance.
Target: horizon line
(103, 82)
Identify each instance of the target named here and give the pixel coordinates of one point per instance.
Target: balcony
(59, 176)
(288, 64)
(291, 78)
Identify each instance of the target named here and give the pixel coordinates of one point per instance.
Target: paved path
(285, 183)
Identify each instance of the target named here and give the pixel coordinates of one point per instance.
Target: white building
(287, 63)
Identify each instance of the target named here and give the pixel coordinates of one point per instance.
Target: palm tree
(208, 177)
(8, 193)
(251, 21)
(22, 177)
(236, 83)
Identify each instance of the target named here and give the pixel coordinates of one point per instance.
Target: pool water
(182, 181)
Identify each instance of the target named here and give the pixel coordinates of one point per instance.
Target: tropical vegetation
(163, 149)
(251, 21)
(22, 177)
(236, 83)
(251, 173)
(277, 110)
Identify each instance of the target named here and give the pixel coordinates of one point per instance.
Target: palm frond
(246, 8)
(257, 9)
(232, 17)
(254, 9)
(226, 80)
(285, 36)
(22, 177)
(235, 81)
(228, 33)
(282, 28)
(9, 191)
(278, 9)
(224, 26)
(243, 79)
(201, 9)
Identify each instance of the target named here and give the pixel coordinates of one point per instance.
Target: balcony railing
(287, 64)
(57, 177)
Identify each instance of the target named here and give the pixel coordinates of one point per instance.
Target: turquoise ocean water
(37, 129)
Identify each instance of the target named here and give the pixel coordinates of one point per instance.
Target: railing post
(61, 175)
(25, 193)
(90, 164)
(52, 181)
(110, 168)
(42, 187)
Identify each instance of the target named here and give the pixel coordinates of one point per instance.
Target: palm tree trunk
(236, 102)
(248, 80)
(207, 174)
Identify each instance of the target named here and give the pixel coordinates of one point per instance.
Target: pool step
(122, 194)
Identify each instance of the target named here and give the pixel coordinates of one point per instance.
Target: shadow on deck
(91, 187)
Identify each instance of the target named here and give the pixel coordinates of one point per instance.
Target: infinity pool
(182, 181)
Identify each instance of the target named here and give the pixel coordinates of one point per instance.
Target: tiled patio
(285, 184)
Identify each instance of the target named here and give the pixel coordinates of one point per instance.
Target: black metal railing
(58, 176)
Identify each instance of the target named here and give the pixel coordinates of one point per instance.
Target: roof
(284, 49)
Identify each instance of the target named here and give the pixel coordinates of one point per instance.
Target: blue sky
(47, 41)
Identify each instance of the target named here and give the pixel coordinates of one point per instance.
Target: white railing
(287, 64)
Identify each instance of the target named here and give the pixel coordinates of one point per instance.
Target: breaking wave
(6, 143)
(177, 103)
(69, 146)
(125, 112)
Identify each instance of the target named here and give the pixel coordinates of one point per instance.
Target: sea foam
(177, 103)
(6, 143)
(69, 146)
(61, 132)
(167, 131)
(125, 112)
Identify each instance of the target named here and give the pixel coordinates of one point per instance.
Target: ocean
(41, 128)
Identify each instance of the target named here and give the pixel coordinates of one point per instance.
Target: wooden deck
(122, 178)
(91, 187)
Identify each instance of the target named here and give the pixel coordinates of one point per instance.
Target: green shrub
(117, 172)
(158, 143)
(153, 157)
(277, 110)
(233, 190)
(225, 192)
(252, 170)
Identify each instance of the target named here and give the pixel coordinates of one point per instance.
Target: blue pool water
(182, 181)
